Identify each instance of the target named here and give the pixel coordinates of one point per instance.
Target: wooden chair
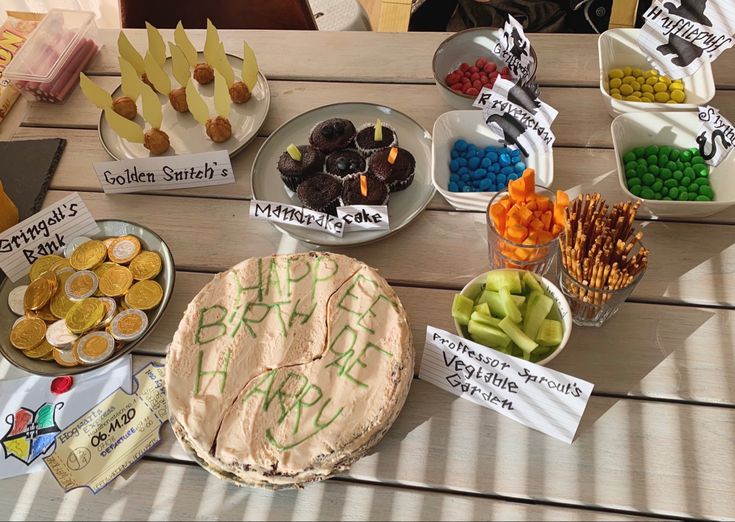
(225, 14)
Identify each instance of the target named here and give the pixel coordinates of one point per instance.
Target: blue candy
(462, 162)
(465, 177)
(515, 175)
(506, 170)
(478, 174)
(454, 178)
(454, 153)
(495, 168)
(483, 169)
(466, 188)
(473, 163)
(492, 156)
(501, 179)
(454, 165)
(485, 185)
(453, 187)
(463, 170)
(485, 163)
(460, 145)
(519, 167)
(504, 158)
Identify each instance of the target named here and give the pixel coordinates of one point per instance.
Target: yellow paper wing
(156, 75)
(249, 67)
(221, 95)
(156, 46)
(152, 112)
(130, 81)
(123, 127)
(94, 93)
(211, 42)
(179, 64)
(127, 51)
(197, 107)
(224, 66)
(183, 42)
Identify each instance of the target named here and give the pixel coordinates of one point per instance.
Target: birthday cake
(286, 369)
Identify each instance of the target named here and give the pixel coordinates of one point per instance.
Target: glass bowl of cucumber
(515, 312)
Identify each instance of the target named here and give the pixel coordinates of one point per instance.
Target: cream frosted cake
(286, 369)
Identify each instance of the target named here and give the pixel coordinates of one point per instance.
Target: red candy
(470, 79)
(61, 385)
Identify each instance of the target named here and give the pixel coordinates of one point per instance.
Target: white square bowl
(619, 48)
(470, 126)
(676, 129)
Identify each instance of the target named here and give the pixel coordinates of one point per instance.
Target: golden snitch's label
(111, 436)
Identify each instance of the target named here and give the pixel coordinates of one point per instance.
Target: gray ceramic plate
(186, 134)
(403, 206)
(109, 227)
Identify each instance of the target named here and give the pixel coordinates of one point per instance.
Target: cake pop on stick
(204, 72)
(157, 76)
(181, 69)
(240, 91)
(122, 105)
(218, 128)
(154, 139)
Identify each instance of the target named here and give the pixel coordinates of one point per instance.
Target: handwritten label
(46, 232)
(515, 49)
(113, 435)
(298, 216)
(537, 397)
(515, 113)
(165, 173)
(678, 38)
(364, 217)
(716, 135)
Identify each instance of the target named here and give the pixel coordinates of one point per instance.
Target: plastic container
(619, 48)
(469, 125)
(48, 65)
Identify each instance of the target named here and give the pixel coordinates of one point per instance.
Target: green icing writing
(369, 313)
(273, 276)
(210, 328)
(258, 286)
(349, 294)
(291, 278)
(291, 399)
(221, 373)
(303, 316)
(348, 359)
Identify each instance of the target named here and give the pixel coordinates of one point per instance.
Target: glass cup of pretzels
(602, 258)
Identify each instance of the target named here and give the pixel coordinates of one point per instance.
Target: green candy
(648, 179)
(665, 150)
(639, 152)
(683, 196)
(702, 198)
(654, 169)
(657, 185)
(671, 165)
(631, 173)
(694, 151)
(701, 169)
(707, 191)
(697, 160)
(685, 181)
(665, 173)
(673, 192)
(686, 155)
(633, 182)
(677, 174)
(628, 157)
(688, 171)
(642, 162)
(670, 183)
(636, 190)
(647, 193)
(679, 165)
(667, 198)
(630, 165)
(664, 191)
(652, 159)
(692, 196)
(702, 182)
(658, 196)
(693, 187)
(674, 155)
(652, 150)
(663, 160)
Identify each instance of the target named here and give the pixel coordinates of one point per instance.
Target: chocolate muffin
(345, 162)
(377, 191)
(399, 174)
(321, 192)
(332, 134)
(294, 172)
(365, 139)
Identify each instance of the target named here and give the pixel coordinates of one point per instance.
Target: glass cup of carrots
(523, 225)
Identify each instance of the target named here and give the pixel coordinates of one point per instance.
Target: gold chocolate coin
(44, 314)
(65, 358)
(28, 333)
(146, 265)
(38, 294)
(39, 351)
(116, 281)
(81, 285)
(60, 304)
(129, 325)
(108, 242)
(104, 267)
(52, 278)
(110, 309)
(144, 295)
(43, 264)
(48, 357)
(94, 347)
(61, 266)
(88, 255)
(84, 315)
(123, 249)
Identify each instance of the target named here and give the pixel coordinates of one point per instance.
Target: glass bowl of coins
(89, 304)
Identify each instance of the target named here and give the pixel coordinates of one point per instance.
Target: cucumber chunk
(531, 283)
(484, 319)
(510, 306)
(462, 309)
(492, 299)
(550, 333)
(488, 335)
(525, 343)
(539, 306)
(509, 279)
(483, 308)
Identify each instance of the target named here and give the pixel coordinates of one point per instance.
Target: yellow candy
(614, 91)
(659, 87)
(636, 86)
(637, 71)
(615, 83)
(646, 88)
(637, 93)
(647, 96)
(651, 80)
(676, 85)
(628, 79)
(664, 79)
(646, 100)
(626, 90)
(627, 71)
(652, 72)
(616, 73)
(678, 95)
(632, 98)
(661, 97)
(617, 96)
(672, 101)
(640, 79)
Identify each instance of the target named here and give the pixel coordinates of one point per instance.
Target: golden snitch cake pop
(240, 91)
(218, 128)
(154, 139)
(181, 70)
(124, 105)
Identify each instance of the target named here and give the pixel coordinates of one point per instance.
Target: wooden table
(657, 436)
